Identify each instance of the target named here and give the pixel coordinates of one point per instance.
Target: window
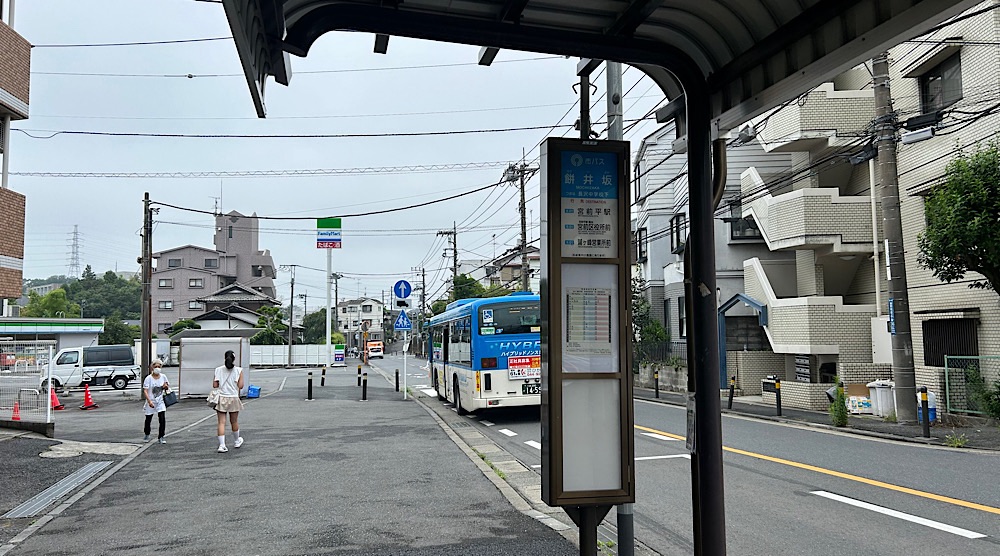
(196, 305)
(343, 310)
(739, 227)
(174, 263)
(353, 308)
(230, 232)
(949, 337)
(162, 327)
(678, 233)
(95, 357)
(196, 283)
(211, 263)
(681, 318)
(460, 344)
(166, 305)
(166, 282)
(941, 86)
(68, 358)
(366, 308)
(641, 245)
(510, 318)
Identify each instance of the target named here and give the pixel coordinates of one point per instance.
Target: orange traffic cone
(88, 402)
(17, 412)
(54, 401)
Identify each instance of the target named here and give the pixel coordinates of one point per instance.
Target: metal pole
(892, 227)
(925, 409)
(309, 389)
(777, 396)
(147, 271)
(397, 380)
(359, 375)
(656, 383)
(454, 256)
(707, 454)
(48, 381)
(329, 308)
(524, 232)
(406, 337)
(588, 531)
(732, 391)
(322, 378)
(364, 388)
(585, 107)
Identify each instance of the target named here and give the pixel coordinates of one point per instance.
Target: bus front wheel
(458, 399)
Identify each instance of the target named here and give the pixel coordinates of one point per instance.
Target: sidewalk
(978, 436)
(330, 476)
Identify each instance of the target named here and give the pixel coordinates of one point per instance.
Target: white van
(95, 365)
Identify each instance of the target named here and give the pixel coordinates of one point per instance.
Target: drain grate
(460, 424)
(43, 499)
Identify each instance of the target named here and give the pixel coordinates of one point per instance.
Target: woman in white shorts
(229, 381)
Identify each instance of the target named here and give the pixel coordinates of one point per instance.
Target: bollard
(322, 378)
(397, 380)
(777, 395)
(732, 391)
(364, 388)
(656, 383)
(359, 375)
(309, 390)
(926, 411)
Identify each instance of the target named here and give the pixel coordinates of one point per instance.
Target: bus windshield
(510, 318)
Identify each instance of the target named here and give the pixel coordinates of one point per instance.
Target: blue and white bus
(486, 353)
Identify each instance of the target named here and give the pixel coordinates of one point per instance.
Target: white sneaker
(223, 449)
(238, 443)
(146, 438)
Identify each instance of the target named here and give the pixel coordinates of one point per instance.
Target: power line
(141, 43)
(53, 133)
(409, 169)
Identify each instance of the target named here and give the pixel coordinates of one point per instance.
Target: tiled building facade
(15, 80)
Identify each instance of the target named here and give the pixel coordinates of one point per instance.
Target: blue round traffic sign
(402, 289)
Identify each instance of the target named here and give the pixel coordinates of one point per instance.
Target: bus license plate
(532, 388)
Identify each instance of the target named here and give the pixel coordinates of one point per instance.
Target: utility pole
(423, 305)
(305, 303)
(291, 318)
(892, 226)
(147, 276)
(454, 250)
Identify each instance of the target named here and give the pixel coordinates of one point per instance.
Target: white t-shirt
(155, 388)
(228, 381)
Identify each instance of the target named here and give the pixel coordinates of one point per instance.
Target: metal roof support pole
(708, 496)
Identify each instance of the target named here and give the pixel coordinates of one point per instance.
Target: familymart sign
(328, 233)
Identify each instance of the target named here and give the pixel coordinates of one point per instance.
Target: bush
(982, 396)
(838, 409)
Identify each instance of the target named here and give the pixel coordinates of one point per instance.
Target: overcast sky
(359, 92)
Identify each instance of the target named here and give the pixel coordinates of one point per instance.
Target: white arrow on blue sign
(402, 289)
(403, 322)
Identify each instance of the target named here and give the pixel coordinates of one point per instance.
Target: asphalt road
(796, 490)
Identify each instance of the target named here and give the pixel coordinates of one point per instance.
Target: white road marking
(282, 387)
(430, 392)
(533, 444)
(488, 423)
(674, 456)
(659, 436)
(539, 466)
(900, 515)
(507, 432)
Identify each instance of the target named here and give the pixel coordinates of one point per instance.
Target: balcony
(817, 120)
(811, 218)
(15, 73)
(817, 325)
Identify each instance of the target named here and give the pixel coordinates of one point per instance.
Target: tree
(314, 329)
(106, 295)
(439, 306)
(183, 324)
(963, 215)
(53, 305)
(273, 333)
(466, 287)
(117, 332)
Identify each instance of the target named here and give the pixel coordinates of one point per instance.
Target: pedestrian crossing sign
(403, 322)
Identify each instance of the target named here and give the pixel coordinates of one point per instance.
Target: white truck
(75, 367)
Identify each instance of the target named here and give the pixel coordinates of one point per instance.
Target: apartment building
(660, 201)
(15, 78)
(823, 278)
(357, 315)
(184, 276)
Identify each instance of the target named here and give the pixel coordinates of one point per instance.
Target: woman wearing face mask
(153, 388)
(229, 381)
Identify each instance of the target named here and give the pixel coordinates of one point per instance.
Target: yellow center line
(848, 476)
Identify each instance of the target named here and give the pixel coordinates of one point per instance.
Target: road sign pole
(406, 340)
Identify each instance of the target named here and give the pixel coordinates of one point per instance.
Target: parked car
(113, 365)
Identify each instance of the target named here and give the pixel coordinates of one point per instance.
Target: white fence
(304, 355)
(24, 367)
